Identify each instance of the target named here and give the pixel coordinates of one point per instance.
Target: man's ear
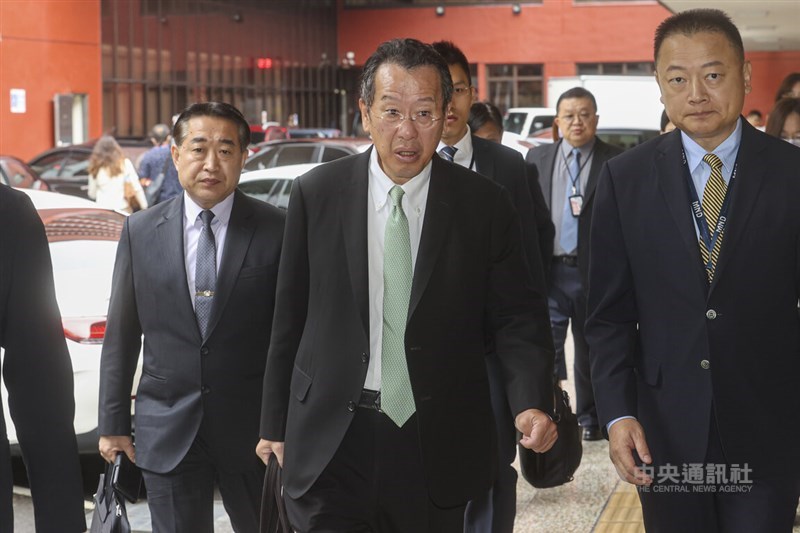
(747, 72)
(365, 121)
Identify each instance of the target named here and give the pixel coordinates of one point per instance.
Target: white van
(520, 123)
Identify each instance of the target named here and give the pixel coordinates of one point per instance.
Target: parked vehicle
(15, 173)
(313, 133)
(519, 123)
(623, 137)
(298, 151)
(65, 168)
(266, 132)
(83, 244)
(273, 185)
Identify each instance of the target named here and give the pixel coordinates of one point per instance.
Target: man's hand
(539, 432)
(110, 445)
(266, 447)
(625, 436)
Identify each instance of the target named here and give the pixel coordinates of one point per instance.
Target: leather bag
(109, 514)
(273, 510)
(556, 466)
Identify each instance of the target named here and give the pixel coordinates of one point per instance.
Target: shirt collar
(222, 211)
(380, 184)
(726, 151)
(464, 146)
(585, 150)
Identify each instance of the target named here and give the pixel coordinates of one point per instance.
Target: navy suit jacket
(657, 350)
(470, 282)
(189, 383)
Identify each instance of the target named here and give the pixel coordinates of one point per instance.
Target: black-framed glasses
(422, 119)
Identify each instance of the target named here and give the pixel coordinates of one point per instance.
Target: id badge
(576, 203)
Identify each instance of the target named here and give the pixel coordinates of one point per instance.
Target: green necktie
(713, 196)
(397, 400)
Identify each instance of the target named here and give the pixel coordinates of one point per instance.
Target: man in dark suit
(397, 267)
(494, 511)
(37, 373)
(567, 171)
(693, 293)
(196, 275)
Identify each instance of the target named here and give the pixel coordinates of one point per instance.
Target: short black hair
(576, 92)
(484, 112)
(755, 113)
(159, 133)
(695, 21)
(453, 56)
(408, 54)
(212, 109)
(787, 84)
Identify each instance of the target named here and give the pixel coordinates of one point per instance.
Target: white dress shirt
(378, 208)
(464, 152)
(192, 225)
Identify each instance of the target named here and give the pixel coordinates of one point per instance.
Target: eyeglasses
(422, 119)
(585, 116)
(462, 90)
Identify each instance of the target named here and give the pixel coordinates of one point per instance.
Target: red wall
(556, 33)
(47, 47)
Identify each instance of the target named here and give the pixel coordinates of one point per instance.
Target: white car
(83, 244)
(273, 185)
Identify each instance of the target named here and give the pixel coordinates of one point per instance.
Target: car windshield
(272, 191)
(514, 122)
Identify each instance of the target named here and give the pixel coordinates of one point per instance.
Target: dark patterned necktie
(205, 278)
(449, 153)
(713, 197)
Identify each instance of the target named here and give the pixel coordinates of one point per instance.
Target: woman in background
(485, 121)
(790, 87)
(784, 120)
(110, 173)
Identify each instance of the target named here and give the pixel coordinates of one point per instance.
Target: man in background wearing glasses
(567, 172)
(494, 511)
(397, 266)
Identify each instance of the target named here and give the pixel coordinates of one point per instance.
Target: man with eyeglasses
(396, 268)
(567, 172)
(495, 510)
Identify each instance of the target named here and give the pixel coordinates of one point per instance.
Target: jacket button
(364, 357)
(351, 406)
(205, 390)
(204, 350)
(711, 314)
(705, 364)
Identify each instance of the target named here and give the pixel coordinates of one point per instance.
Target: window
(330, 154)
(515, 85)
(628, 69)
(294, 155)
(272, 191)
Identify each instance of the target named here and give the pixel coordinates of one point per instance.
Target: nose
(211, 161)
(407, 129)
(697, 91)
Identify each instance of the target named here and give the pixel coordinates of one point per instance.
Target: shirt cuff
(608, 427)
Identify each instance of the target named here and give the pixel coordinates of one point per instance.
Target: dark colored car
(293, 152)
(65, 168)
(15, 173)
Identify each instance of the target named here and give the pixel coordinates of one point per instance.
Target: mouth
(451, 118)
(209, 182)
(406, 156)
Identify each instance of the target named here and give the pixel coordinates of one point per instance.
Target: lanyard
(700, 218)
(576, 182)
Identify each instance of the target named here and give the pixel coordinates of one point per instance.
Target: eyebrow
(704, 65)
(395, 99)
(203, 140)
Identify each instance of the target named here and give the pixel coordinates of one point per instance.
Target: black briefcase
(557, 465)
(273, 511)
(110, 515)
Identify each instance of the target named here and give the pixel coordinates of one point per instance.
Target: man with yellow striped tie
(693, 293)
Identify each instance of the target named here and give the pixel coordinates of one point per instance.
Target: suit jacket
(506, 166)
(37, 371)
(657, 350)
(541, 163)
(470, 282)
(188, 383)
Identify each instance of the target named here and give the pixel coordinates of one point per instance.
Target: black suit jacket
(187, 382)
(506, 166)
(657, 352)
(37, 371)
(470, 282)
(541, 163)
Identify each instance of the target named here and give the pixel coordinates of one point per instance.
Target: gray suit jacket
(188, 383)
(541, 163)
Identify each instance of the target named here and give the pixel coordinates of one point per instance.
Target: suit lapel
(353, 207)
(600, 156)
(484, 162)
(437, 221)
(750, 174)
(237, 241)
(169, 239)
(671, 176)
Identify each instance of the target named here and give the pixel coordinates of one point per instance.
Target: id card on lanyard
(709, 238)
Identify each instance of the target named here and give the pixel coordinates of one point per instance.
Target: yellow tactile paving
(622, 513)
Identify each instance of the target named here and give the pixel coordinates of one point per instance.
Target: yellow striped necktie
(713, 196)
